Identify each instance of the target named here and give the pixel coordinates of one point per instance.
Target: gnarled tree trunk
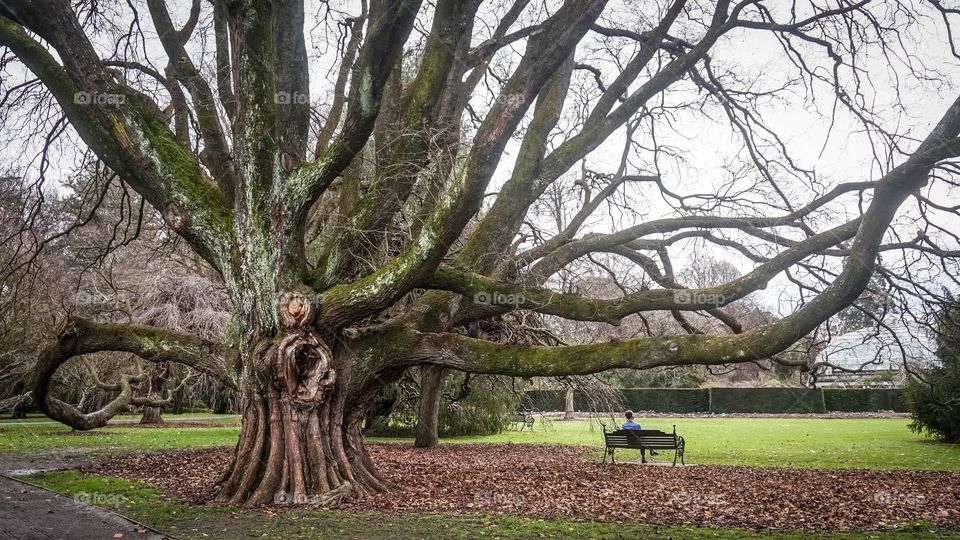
(151, 415)
(301, 441)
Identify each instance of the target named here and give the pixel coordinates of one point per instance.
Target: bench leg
(643, 455)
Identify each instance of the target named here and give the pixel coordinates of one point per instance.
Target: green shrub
(486, 410)
(932, 410)
(224, 402)
(935, 402)
(386, 426)
(382, 420)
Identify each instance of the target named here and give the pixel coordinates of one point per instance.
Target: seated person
(631, 424)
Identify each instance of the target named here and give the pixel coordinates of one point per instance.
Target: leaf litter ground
(566, 481)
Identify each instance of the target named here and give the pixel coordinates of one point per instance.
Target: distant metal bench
(643, 440)
(523, 419)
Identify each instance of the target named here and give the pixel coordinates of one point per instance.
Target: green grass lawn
(31, 438)
(766, 442)
(185, 417)
(770, 442)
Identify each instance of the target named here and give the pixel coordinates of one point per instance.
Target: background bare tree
(98, 271)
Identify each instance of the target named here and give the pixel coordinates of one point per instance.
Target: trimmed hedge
(680, 400)
(737, 400)
(864, 399)
(766, 400)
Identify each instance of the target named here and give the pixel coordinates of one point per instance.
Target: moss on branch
(81, 336)
(576, 307)
(132, 141)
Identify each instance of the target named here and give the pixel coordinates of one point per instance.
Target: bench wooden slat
(644, 439)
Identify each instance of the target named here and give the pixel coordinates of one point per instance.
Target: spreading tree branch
(80, 336)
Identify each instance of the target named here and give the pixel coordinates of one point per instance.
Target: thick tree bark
(151, 415)
(428, 412)
(568, 405)
(301, 440)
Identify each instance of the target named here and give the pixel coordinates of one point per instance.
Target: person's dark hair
(629, 415)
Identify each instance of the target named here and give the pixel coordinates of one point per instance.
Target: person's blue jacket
(630, 424)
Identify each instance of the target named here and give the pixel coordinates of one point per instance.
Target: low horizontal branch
(81, 336)
(480, 356)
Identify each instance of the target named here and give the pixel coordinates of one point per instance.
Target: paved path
(54, 459)
(28, 512)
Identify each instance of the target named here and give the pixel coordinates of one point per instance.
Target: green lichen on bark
(211, 223)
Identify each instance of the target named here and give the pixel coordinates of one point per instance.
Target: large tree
(357, 240)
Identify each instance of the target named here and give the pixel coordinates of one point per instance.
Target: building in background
(868, 357)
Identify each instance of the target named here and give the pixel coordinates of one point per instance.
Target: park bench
(643, 440)
(523, 419)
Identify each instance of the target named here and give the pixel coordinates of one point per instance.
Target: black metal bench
(643, 440)
(524, 418)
